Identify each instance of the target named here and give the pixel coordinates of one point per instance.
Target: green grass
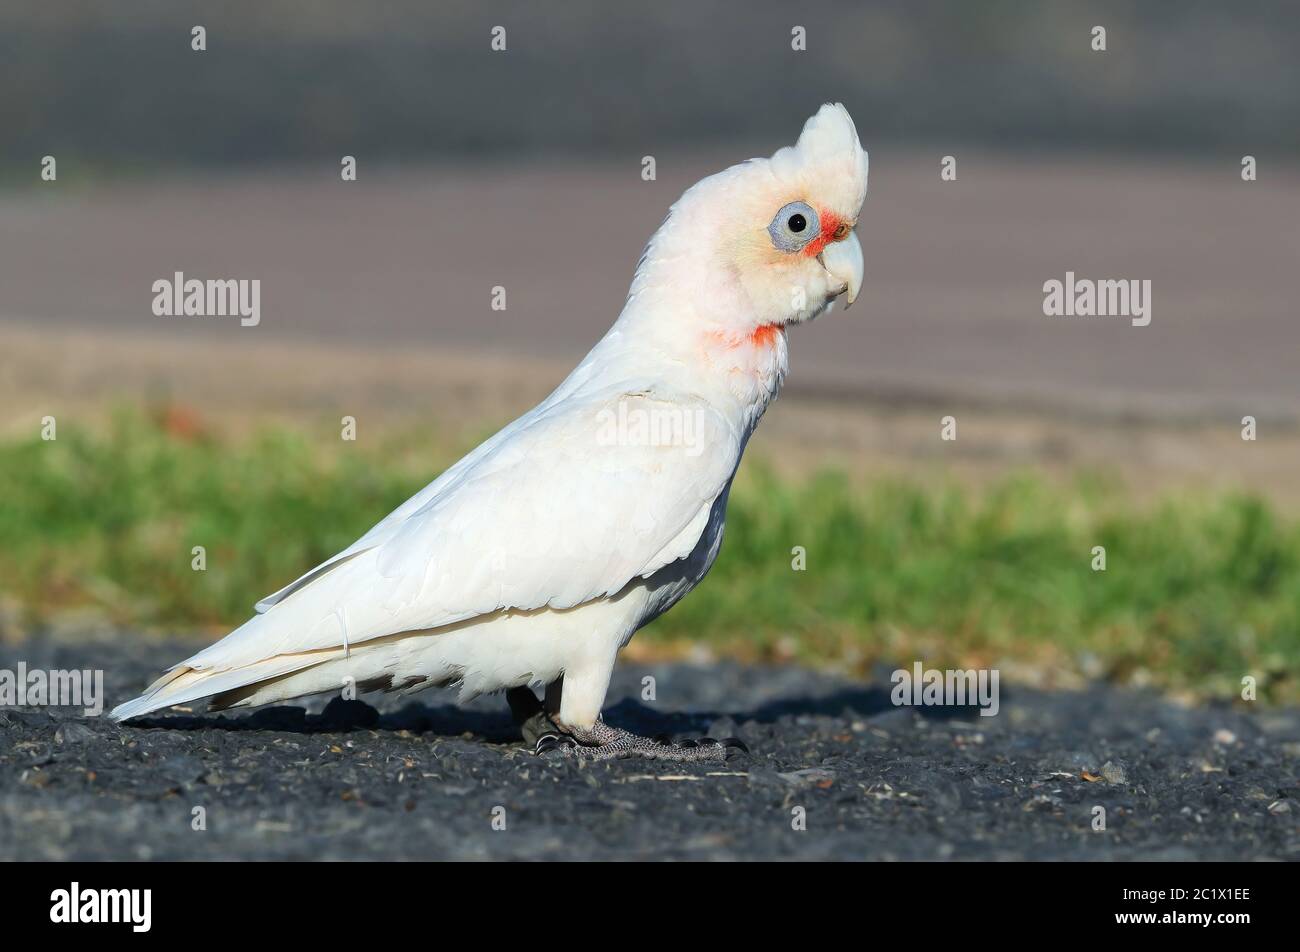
(1198, 591)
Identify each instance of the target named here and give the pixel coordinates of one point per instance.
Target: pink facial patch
(834, 228)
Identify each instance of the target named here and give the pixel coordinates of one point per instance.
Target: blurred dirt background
(523, 169)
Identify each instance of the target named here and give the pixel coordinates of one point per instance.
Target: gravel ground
(426, 779)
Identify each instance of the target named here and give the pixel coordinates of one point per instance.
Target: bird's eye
(793, 227)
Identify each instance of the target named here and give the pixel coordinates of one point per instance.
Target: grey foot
(603, 742)
(528, 712)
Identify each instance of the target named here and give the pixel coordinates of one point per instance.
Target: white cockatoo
(532, 561)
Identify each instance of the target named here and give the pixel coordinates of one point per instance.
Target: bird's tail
(371, 666)
(184, 683)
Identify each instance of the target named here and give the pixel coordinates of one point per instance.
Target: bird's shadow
(449, 720)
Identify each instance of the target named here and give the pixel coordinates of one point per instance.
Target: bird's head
(769, 242)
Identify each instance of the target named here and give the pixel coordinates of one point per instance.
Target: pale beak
(843, 259)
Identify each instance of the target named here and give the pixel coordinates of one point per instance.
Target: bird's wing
(571, 506)
(387, 527)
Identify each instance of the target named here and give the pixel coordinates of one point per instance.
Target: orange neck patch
(765, 335)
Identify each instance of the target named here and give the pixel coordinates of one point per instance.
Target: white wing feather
(557, 510)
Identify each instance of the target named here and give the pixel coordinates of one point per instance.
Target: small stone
(1113, 772)
(1225, 737)
(811, 776)
(73, 733)
(1042, 802)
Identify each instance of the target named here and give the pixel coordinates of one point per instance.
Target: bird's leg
(529, 714)
(602, 742)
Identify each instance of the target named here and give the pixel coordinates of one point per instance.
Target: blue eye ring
(794, 226)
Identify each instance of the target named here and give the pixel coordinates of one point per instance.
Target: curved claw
(735, 742)
(549, 742)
